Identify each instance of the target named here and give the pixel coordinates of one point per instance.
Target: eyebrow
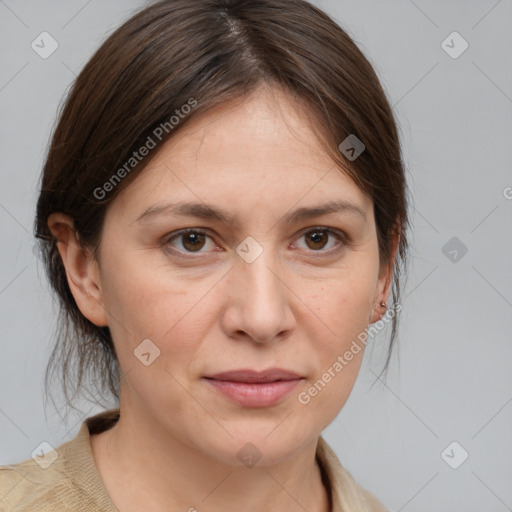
(209, 212)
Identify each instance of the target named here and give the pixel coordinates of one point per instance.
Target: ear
(82, 270)
(384, 283)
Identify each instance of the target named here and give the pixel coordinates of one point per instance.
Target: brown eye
(193, 241)
(316, 239)
(189, 241)
(323, 241)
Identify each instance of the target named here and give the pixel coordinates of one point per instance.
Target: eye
(189, 240)
(319, 237)
(193, 240)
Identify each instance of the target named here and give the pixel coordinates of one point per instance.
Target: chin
(262, 446)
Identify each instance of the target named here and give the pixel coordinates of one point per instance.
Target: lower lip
(255, 395)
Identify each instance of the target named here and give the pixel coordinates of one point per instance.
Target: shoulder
(65, 478)
(29, 487)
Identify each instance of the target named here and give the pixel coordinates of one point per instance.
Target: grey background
(452, 381)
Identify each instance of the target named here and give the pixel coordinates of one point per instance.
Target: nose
(259, 301)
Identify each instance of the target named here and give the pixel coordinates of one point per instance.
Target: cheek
(343, 302)
(338, 317)
(172, 310)
(174, 314)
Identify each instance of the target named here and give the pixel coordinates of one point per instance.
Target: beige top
(72, 481)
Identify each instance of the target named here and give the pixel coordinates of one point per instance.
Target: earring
(383, 304)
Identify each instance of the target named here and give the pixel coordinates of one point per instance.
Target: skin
(298, 306)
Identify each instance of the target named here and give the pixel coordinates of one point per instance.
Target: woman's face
(272, 286)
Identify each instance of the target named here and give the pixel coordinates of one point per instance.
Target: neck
(172, 475)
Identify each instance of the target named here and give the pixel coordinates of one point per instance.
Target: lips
(254, 377)
(251, 388)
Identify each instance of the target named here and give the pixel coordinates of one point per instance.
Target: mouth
(251, 388)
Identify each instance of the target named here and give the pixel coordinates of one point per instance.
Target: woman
(222, 214)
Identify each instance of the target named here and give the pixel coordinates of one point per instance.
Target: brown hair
(211, 51)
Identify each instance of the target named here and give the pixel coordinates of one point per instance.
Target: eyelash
(339, 235)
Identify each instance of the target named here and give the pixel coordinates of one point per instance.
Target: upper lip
(248, 375)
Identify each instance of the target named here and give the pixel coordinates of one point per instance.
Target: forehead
(259, 152)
